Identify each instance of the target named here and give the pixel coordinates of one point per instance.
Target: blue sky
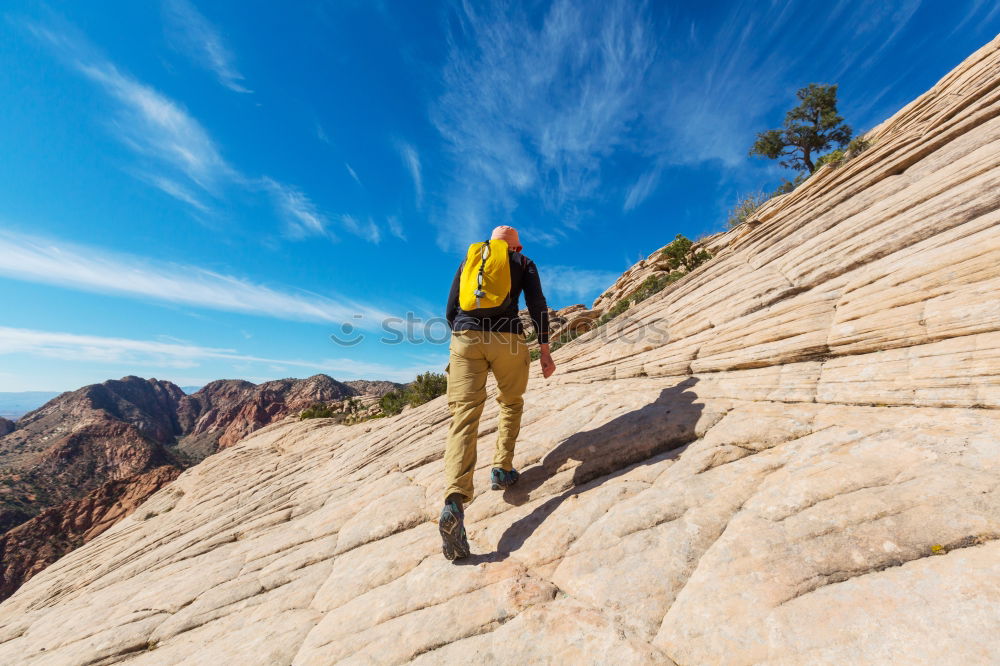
(194, 190)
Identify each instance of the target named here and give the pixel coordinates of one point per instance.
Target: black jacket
(523, 277)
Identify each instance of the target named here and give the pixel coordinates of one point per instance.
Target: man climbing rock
(487, 335)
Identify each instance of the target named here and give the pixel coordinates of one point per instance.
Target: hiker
(486, 334)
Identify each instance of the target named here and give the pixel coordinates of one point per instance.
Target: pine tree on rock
(810, 128)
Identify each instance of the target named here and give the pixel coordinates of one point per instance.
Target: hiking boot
(501, 478)
(454, 542)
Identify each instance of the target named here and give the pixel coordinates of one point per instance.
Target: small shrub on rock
(317, 410)
(681, 258)
(392, 403)
(749, 203)
(858, 145)
(680, 254)
(788, 185)
(833, 158)
(423, 389)
(839, 157)
(426, 387)
(745, 207)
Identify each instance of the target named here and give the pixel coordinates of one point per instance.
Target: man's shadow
(643, 436)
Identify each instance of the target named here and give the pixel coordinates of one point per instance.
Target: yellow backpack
(484, 290)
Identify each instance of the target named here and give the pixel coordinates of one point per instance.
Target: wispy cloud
(542, 109)
(301, 215)
(150, 353)
(176, 190)
(91, 269)
(642, 188)
(737, 71)
(354, 174)
(158, 129)
(395, 227)
(533, 234)
(154, 126)
(190, 33)
(530, 108)
(568, 283)
(322, 135)
(367, 230)
(412, 161)
(175, 150)
(890, 22)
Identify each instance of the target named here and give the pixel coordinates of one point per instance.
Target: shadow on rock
(660, 430)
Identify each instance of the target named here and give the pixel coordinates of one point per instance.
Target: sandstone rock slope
(791, 456)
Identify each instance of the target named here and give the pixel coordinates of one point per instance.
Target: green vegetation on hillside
(317, 410)
(681, 254)
(681, 258)
(425, 388)
(347, 412)
(840, 156)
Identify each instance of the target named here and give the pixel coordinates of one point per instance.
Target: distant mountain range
(73, 466)
(14, 404)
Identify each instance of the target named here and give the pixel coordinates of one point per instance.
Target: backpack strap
(482, 267)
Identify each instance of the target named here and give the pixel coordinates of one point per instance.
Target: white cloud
(96, 349)
(71, 347)
(176, 190)
(299, 212)
(531, 108)
(89, 269)
(190, 33)
(750, 64)
(412, 161)
(395, 227)
(155, 127)
(542, 107)
(353, 173)
(567, 283)
(641, 189)
(172, 143)
(321, 134)
(531, 235)
(890, 24)
(373, 234)
(160, 129)
(368, 231)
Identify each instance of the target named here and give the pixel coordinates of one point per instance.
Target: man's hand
(548, 365)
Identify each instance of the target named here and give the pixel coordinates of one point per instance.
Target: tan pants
(473, 355)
